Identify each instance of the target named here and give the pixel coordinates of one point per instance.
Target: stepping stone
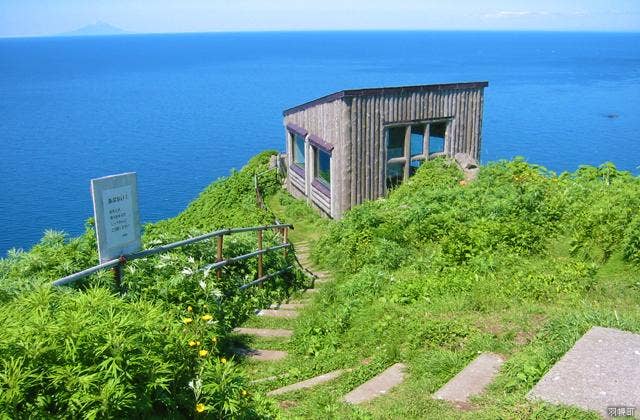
(287, 306)
(278, 313)
(601, 372)
(264, 332)
(261, 355)
(377, 386)
(308, 383)
(472, 380)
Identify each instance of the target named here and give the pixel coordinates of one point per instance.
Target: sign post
(115, 208)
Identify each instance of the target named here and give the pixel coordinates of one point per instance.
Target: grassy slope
(130, 355)
(520, 263)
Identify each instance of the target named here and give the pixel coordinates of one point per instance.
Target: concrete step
(472, 380)
(264, 332)
(278, 313)
(308, 383)
(601, 372)
(287, 306)
(377, 386)
(261, 355)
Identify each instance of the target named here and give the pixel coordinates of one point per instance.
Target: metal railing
(117, 263)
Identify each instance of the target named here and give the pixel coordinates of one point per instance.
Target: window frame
(407, 160)
(316, 166)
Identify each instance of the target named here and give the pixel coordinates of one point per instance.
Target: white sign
(115, 208)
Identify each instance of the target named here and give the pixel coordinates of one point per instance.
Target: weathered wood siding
(328, 122)
(370, 114)
(354, 122)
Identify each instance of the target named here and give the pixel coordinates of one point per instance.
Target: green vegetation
(161, 348)
(521, 262)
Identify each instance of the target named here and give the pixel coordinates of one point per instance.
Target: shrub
(92, 354)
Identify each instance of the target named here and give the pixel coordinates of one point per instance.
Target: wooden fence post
(117, 276)
(259, 255)
(285, 239)
(219, 255)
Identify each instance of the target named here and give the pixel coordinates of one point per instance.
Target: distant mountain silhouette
(98, 28)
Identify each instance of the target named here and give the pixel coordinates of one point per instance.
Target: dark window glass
(417, 140)
(395, 174)
(323, 167)
(298, 150)
(415, 164)
(395, 142)
(436, 137)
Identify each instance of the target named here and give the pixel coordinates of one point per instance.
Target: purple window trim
(297, 169)
(320, 144)
(322, 188)
(296, 129)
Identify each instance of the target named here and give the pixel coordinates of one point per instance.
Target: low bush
(93, 355)
(156, 349)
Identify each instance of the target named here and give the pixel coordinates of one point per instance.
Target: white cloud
(517, 14)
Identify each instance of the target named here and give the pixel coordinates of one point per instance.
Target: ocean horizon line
(290, 31)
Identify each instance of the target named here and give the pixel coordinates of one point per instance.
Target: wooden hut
(354, 145)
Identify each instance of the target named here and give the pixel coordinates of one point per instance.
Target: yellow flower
(223, 360)
(187, 320)
(244, 393)
(200, 407)
(192, 343)
(189, 309)
(203, 353)
(207, 317)
(214, 339)
(197, 343)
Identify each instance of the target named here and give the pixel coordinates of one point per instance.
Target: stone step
(377, 386)
(261, 355)
(278, 313)
(264, 332)
(472, 380)
(308, 383)
(287, 306)
(601, 372)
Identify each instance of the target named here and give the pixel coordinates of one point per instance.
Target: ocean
(182, 110)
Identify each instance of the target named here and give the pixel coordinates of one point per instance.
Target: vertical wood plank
(407, 151)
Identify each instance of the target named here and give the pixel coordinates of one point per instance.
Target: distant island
(95, 29)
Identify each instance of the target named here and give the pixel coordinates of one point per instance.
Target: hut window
(417, 140)
(298, 150)
(410, 145)
(436, 137)
(395, 174)
(322, 169)
(395, 142)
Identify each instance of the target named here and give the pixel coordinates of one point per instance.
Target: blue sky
(46, 17)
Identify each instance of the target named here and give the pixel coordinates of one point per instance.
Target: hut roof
(384, 90)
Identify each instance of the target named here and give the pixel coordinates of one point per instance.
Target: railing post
(117, 273)
(219, 255)
(285, 239)
(259, 255)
